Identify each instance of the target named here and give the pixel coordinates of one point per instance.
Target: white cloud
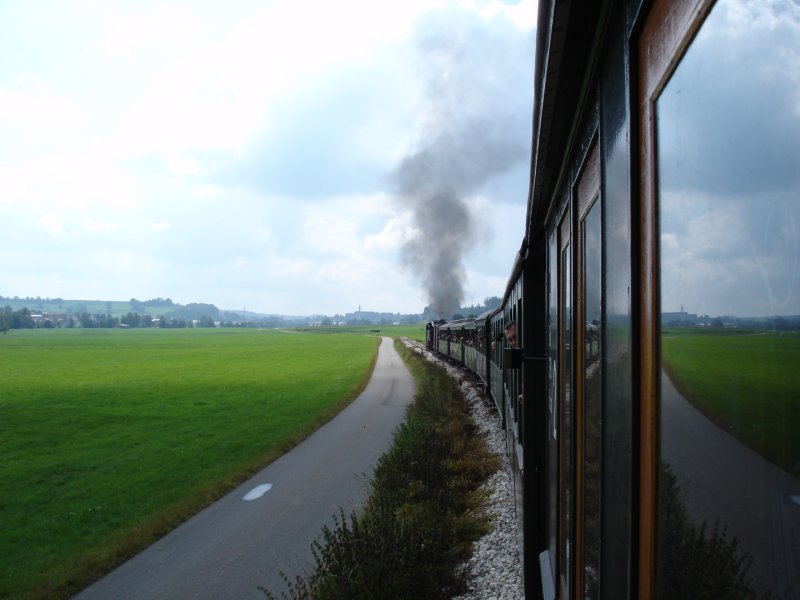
(396, 232)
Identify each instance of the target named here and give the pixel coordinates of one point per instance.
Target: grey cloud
(730, 114)
(729, 165)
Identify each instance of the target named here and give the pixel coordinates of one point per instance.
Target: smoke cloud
(477, 125)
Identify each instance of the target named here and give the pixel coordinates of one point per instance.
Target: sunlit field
(748, 382)
(111, 437)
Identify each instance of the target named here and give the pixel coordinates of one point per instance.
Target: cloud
(733, 105)
(240, 153)
(731, 258)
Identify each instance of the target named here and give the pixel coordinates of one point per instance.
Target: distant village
(37, 312)
(686, 319)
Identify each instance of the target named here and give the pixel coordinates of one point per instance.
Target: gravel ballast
(494, 571)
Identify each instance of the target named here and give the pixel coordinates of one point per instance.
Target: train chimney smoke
(477, 112)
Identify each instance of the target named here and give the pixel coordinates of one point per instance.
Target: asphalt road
(721, 478)
(234, 545)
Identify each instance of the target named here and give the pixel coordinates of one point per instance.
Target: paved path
(721, 478)
(234, 546)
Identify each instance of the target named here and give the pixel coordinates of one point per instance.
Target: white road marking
(257, 492)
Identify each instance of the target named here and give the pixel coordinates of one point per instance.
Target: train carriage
(648, 197)
(651, 405)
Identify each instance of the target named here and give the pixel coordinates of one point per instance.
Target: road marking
(257, 492)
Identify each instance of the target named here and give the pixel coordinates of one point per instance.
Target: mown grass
(748, 382)
(423, 513)
(109, 438)
(414, 332)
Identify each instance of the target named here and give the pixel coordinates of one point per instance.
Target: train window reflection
(729, 211)
(552, 404)
(568, 469)
(592, 402)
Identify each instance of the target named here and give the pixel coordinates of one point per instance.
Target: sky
(259, 155)
(729, 130)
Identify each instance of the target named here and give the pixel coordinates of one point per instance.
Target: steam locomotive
(654, 448)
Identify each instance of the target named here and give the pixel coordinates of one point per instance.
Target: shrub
(423, 512)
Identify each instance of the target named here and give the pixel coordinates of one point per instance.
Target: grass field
(748, 382)
(414, 332)
(109, 438)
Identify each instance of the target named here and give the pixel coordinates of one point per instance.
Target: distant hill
(115, 308)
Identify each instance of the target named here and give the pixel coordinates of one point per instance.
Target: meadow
(414, 332)
(112, 437)
(746, 381)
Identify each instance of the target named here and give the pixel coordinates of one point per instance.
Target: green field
(414, 332)
(748, 382)
(111, 437)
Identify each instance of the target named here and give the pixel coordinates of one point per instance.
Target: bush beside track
(424, 511)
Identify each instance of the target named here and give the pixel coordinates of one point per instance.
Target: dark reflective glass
(617, 508)
(729, 211)
(568, 472)
(592, 402)
(552, 402)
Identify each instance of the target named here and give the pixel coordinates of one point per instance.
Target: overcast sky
(246, 153)
(729, 130)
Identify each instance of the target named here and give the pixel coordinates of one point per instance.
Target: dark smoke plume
(475, 131)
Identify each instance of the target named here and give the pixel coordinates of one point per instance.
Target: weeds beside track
(424, 510)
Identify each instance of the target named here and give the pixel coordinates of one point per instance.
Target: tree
(492, 302)
(132, 319)
(22, 319)
(205, 321)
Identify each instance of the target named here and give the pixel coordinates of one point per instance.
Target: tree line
(23, 319)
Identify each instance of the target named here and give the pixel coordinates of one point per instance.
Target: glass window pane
(592, 402)
(729, 211)
(617, 367)
(552, 404)
(568, 472)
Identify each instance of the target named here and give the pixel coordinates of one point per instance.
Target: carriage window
(552, 407)
(568, 465)
(592, 401)
(728, 131)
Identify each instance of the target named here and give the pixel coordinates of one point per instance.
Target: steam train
(651, 405)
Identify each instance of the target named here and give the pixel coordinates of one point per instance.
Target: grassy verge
(745, 381)
(424, 510)
(110, 438)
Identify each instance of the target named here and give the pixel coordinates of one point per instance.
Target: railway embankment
(438, 522)
(494, 569)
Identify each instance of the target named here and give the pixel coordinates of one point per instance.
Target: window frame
(667, 32)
